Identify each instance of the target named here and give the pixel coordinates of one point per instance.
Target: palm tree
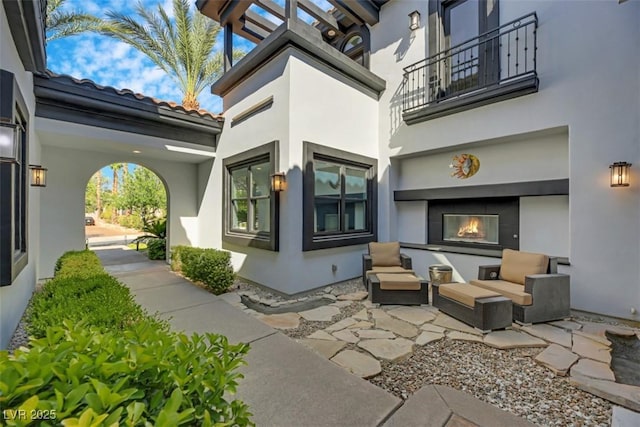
(184, 50)
(63, 24)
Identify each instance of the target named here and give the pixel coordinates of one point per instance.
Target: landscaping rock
(281, 321)
(323, 347)
(346, 335)
(361, 315)
(567, 325)
(512, 339)
(550, 334)
(622, 394)
(343, 324)
(378, 313)
(557, 358)
(416, 316)
(358, 363)
(372, 334)
(451, 323)
(426, 337)
(398, 327)
(355, 296)
(433, 328)
(591, 349)
(341, 304)
(361, 325)
(322, 335)
(457, 335)
(320, 314)
(389, 350)
(592, 369)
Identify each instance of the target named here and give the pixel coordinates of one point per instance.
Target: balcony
(497, 65)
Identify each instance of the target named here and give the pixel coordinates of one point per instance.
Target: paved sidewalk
(285, 383)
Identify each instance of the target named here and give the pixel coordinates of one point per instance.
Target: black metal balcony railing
(506, 54)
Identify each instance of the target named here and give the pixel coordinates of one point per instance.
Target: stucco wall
(588, 57)
(310, 103)
(70, 169)
(14, 298)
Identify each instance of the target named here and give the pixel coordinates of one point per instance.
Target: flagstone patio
(373, 336)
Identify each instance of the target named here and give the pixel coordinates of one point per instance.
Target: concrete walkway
(285, 383)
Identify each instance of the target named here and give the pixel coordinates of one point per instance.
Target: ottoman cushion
(465, 293)
(398, 282)
(393, 269)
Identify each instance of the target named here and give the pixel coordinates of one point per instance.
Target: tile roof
(128, 93)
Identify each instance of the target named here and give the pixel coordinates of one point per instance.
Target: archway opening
(126, 203)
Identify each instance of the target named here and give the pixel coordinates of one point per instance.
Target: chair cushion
(516, 265)
(465, 293)
(513, 291)
(385, 254)
(398, 282)
(394, 269)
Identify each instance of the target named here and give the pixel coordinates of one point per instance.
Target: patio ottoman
(481, 308)
(398, 288)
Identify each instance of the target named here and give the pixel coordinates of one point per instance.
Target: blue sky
(109, 62)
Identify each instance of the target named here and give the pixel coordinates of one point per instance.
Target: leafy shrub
(107, 214)
(100, 300)
(157, 248)
(209, 266)
(79, 264)
(146, 375)
(131, 221)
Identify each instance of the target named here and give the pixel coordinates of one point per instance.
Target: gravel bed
(345, 287)
(20, 336)
(306, 327)
(507, 379)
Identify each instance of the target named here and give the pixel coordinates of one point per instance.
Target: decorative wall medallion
(465, 166)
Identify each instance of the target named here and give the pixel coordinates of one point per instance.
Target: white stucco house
(390, 120)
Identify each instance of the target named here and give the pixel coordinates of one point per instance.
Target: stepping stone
(557, 358)
(622, 394)
(361, 325)
(347, 336)
(323, 347)
(281, 321)
(591, 349)
(378, 313)
(389, 350)
(413, 315)
(343, 324)
(463, 336)
(451, 323)
(600, 328)
(567, 325)
(426, 337)
(369, 304)
(340, 304)
(433, 328)
(320, 314)
(373, 334)
(322, 335)
(592, 369)
(549, 333)
(355, 296)
(512, 339)
(602, 339)
(398, 327)
(361, 315)
(358, 363)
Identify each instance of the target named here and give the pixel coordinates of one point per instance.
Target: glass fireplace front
(470, 228)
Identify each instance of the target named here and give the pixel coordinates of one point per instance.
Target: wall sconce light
(278, 182)
(8, 141)
(620, 174)
(414, 20)
(38, 176)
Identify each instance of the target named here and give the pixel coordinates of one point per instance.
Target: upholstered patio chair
(532, 282)
(384, 258)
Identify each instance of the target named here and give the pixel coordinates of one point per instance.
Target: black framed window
(251, 207)
(14, 185)
(340, 198)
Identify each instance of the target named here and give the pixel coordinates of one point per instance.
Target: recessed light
(137, 151)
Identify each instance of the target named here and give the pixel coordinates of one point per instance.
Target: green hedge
(157, 249)
(209, 266)
(147, 375)
(78, 264)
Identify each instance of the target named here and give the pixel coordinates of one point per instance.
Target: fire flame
(471, 229)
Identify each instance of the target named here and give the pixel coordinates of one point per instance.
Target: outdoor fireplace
(482, 223)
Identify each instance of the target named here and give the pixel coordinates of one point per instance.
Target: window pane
(239, 179)
(356, 184)
(239, 210)
(355, 216)
(327, 179)
(261, 209)
(326, 215)
(260, 179)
